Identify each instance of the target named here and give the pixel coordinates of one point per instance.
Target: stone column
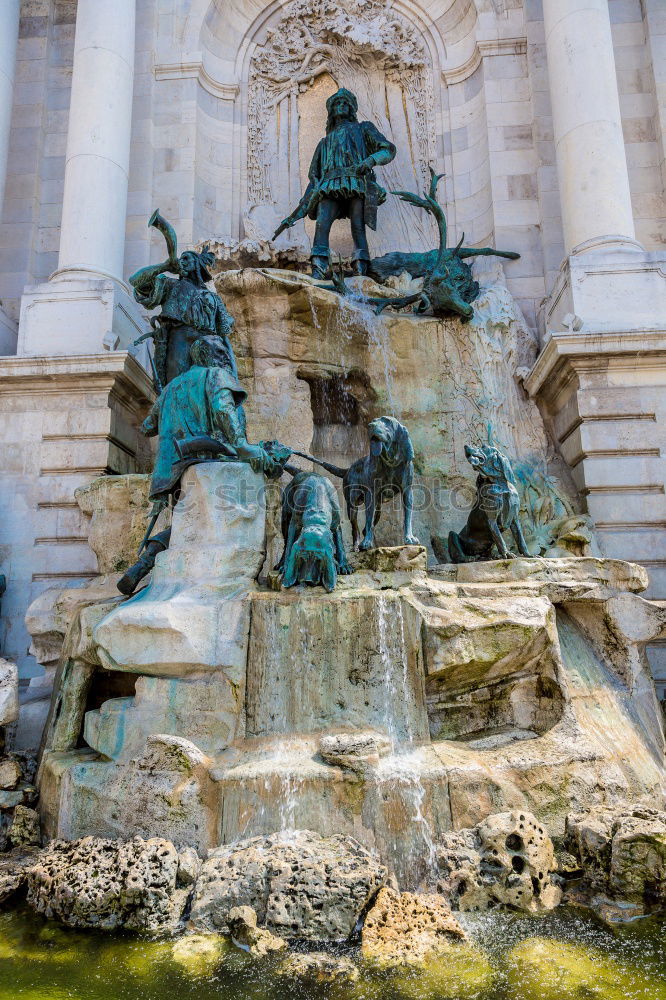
(601, 375)
(98, 142)
(86, 306)
(9, 22)
(591, 161)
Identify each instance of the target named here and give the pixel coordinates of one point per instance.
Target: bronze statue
(448, 287)
(496, 508)
(314, 551)
(388, 470)
(199, 417)
(342, 182)
(189, 309)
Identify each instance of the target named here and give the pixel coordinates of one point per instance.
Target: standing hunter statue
(189, 310)
(342, 182)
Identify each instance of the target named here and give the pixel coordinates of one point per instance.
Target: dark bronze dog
(385, 472)
(314, 552)
(496, 508)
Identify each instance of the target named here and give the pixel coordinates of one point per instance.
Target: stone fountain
(415, 699)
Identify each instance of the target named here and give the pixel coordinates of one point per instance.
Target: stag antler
(430, 204)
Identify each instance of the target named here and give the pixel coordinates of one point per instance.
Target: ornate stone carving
(364, 46)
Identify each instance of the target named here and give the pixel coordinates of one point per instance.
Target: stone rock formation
(622, 853)
(403, 928)
(14, 868)
(109, 884)
(199, 955)
(9, 704)
(301, 885)
(356, 751)
(505, 860)
(301, 348)
(318, 967)
(25, 829)
(242, 923)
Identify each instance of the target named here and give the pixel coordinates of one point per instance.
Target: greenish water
(560, 957)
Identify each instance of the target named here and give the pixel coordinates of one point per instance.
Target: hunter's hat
(351, 100)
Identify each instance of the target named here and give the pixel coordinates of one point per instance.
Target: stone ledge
(615, 574)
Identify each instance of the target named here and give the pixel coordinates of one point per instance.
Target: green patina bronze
(314, 552)
(496, 509)
(342, 182)
(448, 288)
(448, 285)
(188, 309)
(198, 417)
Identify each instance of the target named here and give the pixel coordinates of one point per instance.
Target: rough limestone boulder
(355, 751)
(9, 703)
(25, 830)
(108, 884)
(403, 928)
(505, 860)
(301, 885)
(622, 851)
(245, 933)
(318, 967)
(14, 868)
(10, 773)
(200, 955)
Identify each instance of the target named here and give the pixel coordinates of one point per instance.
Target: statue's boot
(128, 583)
(320, 264)
(360, 262)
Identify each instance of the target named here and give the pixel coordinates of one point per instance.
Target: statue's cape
(187, 409)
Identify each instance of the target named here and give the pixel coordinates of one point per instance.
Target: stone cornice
(195, 70)
(482, 50)
(565, 353)
(116, 371)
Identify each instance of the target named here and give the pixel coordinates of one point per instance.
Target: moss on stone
(544, 969)
(460, 971)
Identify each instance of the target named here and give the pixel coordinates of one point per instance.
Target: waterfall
(402, 769)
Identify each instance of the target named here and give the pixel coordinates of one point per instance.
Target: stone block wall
(493, 133)
(63, 421)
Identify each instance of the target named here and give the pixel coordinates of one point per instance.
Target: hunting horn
(158, 221)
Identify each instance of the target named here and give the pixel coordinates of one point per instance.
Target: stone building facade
(548, 118)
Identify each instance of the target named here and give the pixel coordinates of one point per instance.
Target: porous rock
(13, 871)
(9, 703)
(505, 860)
(403, 927)
(622, 851)
(392, 559)
(10, 773)
(356, 751)
(199, 955)
(245, 933)
(318, 967)
(25, 829)
(108, 884)
(300, 884)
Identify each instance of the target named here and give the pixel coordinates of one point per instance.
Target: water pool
(564, 956)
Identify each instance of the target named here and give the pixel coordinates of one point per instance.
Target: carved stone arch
(382, 53)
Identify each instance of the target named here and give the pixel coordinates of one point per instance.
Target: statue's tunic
(193, 404)
(333, 168)
(189, 311)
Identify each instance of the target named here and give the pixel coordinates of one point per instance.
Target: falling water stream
(356, 311)
(403, 767)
